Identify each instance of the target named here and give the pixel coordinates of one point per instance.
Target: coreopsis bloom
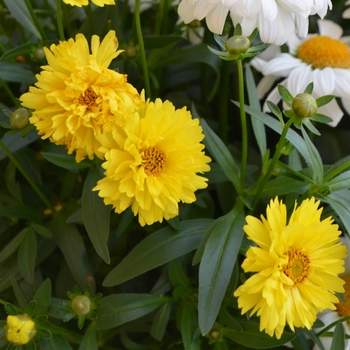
(343, 309)
(276, 19)
(19, 329)
(152, 163)
(295, 266)
(81, 3)
(323, 59)
(77, 97)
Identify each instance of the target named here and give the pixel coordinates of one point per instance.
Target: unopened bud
(19, 329)
(81, 305)
(304, 105)
(19, 118)
(39, 54)
(130, 51)
(237, 44)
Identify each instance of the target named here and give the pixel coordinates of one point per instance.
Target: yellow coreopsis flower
(77, 97)
(295, 267)
(81, 3)
(20, 329)
(152, 163)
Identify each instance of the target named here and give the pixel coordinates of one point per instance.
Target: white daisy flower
(275, 19)
(346, 13)
(323, 59)
(343, 309)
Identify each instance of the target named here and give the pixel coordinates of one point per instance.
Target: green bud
(81, 305)
(39, 54)
(19, 118)
(195, 23)
(130, 51)
(237, 44)
(304, 105)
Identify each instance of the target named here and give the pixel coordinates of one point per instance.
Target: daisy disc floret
(295, 266)
(81, 3)
(152, 163)
(77, 97)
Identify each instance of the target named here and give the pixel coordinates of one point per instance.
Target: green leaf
(287, 97)
(41, 230)
(15, 73)
(30, 309)
(12, 246)
(125, 221)
(283, 185)
(27, 255)
(340, 182)
(217, 263)
(96, 215)
(56, 342)
(157, 249)
(177, 276)
(21, 299)
(251, 337)
(222, 155)
(309, 88)
(188, 326)
(21, 212)
(321, 101)
(160, 322)
(338, 342)
(43, 298)
(314, 156)
(65, 161)
(258, 126)
(118, 309)
(89, 341)
(311, 127)
(11, 183)
(275, 110)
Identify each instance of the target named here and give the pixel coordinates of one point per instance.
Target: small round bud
(130, 51)
(39, 54)
(19, 118)
(81, 305)
(215, 334)
(195, 23)
(237, 44)
(19, 329)
(304, 105)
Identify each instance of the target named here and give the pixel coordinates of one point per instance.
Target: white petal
(324, 81)
(269, 10)
(293, 43)
(216, 18)
(342, 82)
(282, 65)
(302, 25)
(299, 79)
(186, 11)
(346, 104)
(346, 13)
(333, 111)
(265, 84)
(329, 28)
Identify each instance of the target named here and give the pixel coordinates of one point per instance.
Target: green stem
(26, 176)
(9, 92)
(243, 121)
(262, 181)
(71, 336)
(35, 20)
(90, 17)
(336, 171)
(142, 48)
(59, 19)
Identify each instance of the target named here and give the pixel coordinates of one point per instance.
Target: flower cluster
(295, 267)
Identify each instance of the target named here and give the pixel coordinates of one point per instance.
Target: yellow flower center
(322, 51)
(298, 266)
(88, 98)
(153, 160)
(344, 308)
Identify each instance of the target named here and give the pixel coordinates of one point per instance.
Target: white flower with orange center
(77, 97)
(343, 308)
(276, 19)
(323, 59)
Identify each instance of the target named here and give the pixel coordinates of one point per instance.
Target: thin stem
(243, 121)
(35, 20)
(262, 181)
(9, 92)
(26, 176)
(59, 19)
(142, 48)
(336, 171)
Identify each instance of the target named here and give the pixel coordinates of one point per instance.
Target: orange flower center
(298, 266)
(322, 51)
(88, 98)
(153, 161)
(344, 308)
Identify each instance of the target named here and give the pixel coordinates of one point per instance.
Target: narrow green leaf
(41, 230)
(177, 276)
(56, 342)
(275, 110)
(258, 126)
(65, 161)
(309, 88)
(251, 337)
(217, 263)
(338, 342)
(30, 308)
(125, 221)
(221, 154)
(286, 95)
(12, 246)
(21, 299)
(321, 101)
(89, 341)
(15, 73)
(188, 326)
(96, 215)
(283, 185)
(118, 309)
(21, 212)
(160, 322)
(340, 182)
(157, 249)
(27, 255)
(43, 298)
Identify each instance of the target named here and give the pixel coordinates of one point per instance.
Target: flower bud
(130, 51)
(237, 44)
(304, 105)
(19, 118)
(39, 54)
(81, 305)
(20, 329)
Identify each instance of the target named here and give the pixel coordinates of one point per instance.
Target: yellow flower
(295, 266)
(151, 164)
(81, 3)
(20, 329)
(77, 97)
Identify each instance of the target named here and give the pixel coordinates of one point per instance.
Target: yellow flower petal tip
(20, 329)
(77, 97)
(295, 266)
(81, 3)
(152, 163)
